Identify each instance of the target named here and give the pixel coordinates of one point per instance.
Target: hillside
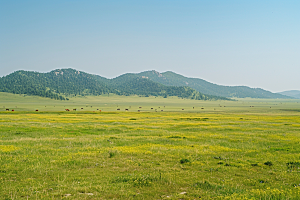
(52, 84)
(60, 83)
(291, 93)
(130, 84)
(173, 79)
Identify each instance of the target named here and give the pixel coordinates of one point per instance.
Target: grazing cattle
(74, 109)
(99, 110)
(36, 110)
(202, 108)
(140, 107)
(118, 109)
(12, 110)
(81, 108)
(7, 109)
(67, 109)
(193, 107)
(126, 109)
(182, 109)
(138, 110)
(162, 110)
(151, 108)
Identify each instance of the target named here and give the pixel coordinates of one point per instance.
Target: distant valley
(63, 83)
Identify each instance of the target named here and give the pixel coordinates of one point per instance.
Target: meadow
(180, 149)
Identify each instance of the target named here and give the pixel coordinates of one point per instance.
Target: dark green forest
(62, 83)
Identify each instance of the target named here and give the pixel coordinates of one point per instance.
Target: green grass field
(245, 149)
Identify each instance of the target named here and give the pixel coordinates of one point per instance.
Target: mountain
(52, 84)
(291, 93)
(129, 84)
(202, 86)
(67, 82)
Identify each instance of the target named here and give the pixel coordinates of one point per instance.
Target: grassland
(246, 149)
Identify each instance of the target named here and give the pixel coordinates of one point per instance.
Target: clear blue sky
(252, 43)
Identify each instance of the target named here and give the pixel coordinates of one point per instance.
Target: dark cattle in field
(12, 110)
(81, 108)
(182, 109)
(151, 108)
(202, 108)
(138, 110)
(162, 110)
(126, 109)
(74, 109)
(140, 107)
(7, 109)
(118, 109)
(36, 110)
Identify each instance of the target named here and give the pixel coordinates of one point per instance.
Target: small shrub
(112, 154)
(184, 160)
(269, 163)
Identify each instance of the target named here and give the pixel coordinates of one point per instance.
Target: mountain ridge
(69, 81)
(203, 86)
(291, 93)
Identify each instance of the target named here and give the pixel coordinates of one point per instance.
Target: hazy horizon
(232, 43)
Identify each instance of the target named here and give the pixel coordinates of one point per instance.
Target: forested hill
(54, 84)
(61, 83)
(202, 86)
(129, 84)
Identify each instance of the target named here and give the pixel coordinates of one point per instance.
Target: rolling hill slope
(173, 79)
(64, 82)
(291, 93)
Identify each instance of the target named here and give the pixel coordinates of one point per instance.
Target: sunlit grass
(227, 154)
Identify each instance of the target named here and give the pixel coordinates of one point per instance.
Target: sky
(252, 43)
